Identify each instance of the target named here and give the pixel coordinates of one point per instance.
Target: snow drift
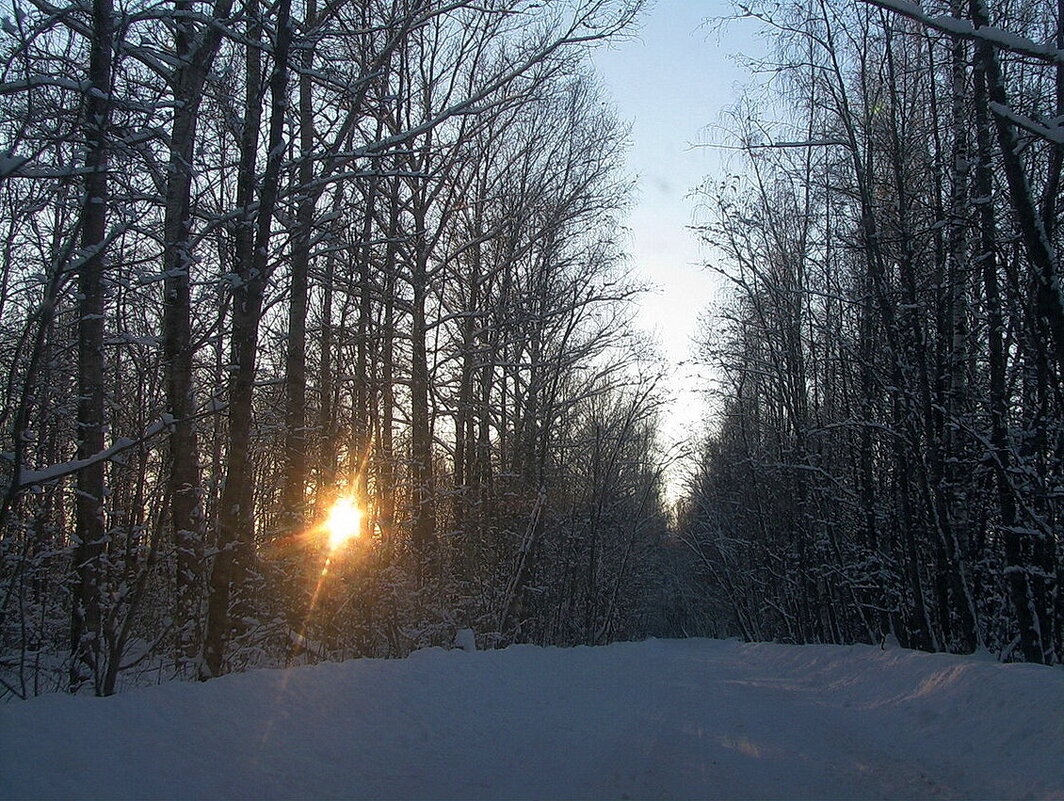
(660, 719)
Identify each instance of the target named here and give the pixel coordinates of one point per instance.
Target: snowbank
(664, 719)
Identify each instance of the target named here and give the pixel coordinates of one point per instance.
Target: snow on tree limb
(1054, 134)
(32, 478)
(966, 30)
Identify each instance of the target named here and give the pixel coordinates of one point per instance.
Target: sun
(343, 523)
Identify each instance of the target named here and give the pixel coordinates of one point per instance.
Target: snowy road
(665, 719)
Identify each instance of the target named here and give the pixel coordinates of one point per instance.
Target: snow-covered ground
(660, 719)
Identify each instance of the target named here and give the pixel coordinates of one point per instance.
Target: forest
(318, 336)
(888, 451)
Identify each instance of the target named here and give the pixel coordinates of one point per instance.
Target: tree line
(262, 254)
(888, 455)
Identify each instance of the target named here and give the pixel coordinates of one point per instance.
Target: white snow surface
(658, 719)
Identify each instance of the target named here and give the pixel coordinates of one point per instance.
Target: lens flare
(343, 523)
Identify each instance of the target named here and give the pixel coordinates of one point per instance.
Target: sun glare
(343, 523)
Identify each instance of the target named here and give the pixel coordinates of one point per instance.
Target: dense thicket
(259, 255)
(888, 458)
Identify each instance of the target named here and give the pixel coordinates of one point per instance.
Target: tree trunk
(294, 497)
(186, 494)
(237, 519)
(1017, 560)
(90, 533)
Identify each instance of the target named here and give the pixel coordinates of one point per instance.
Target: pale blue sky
(672, 83)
